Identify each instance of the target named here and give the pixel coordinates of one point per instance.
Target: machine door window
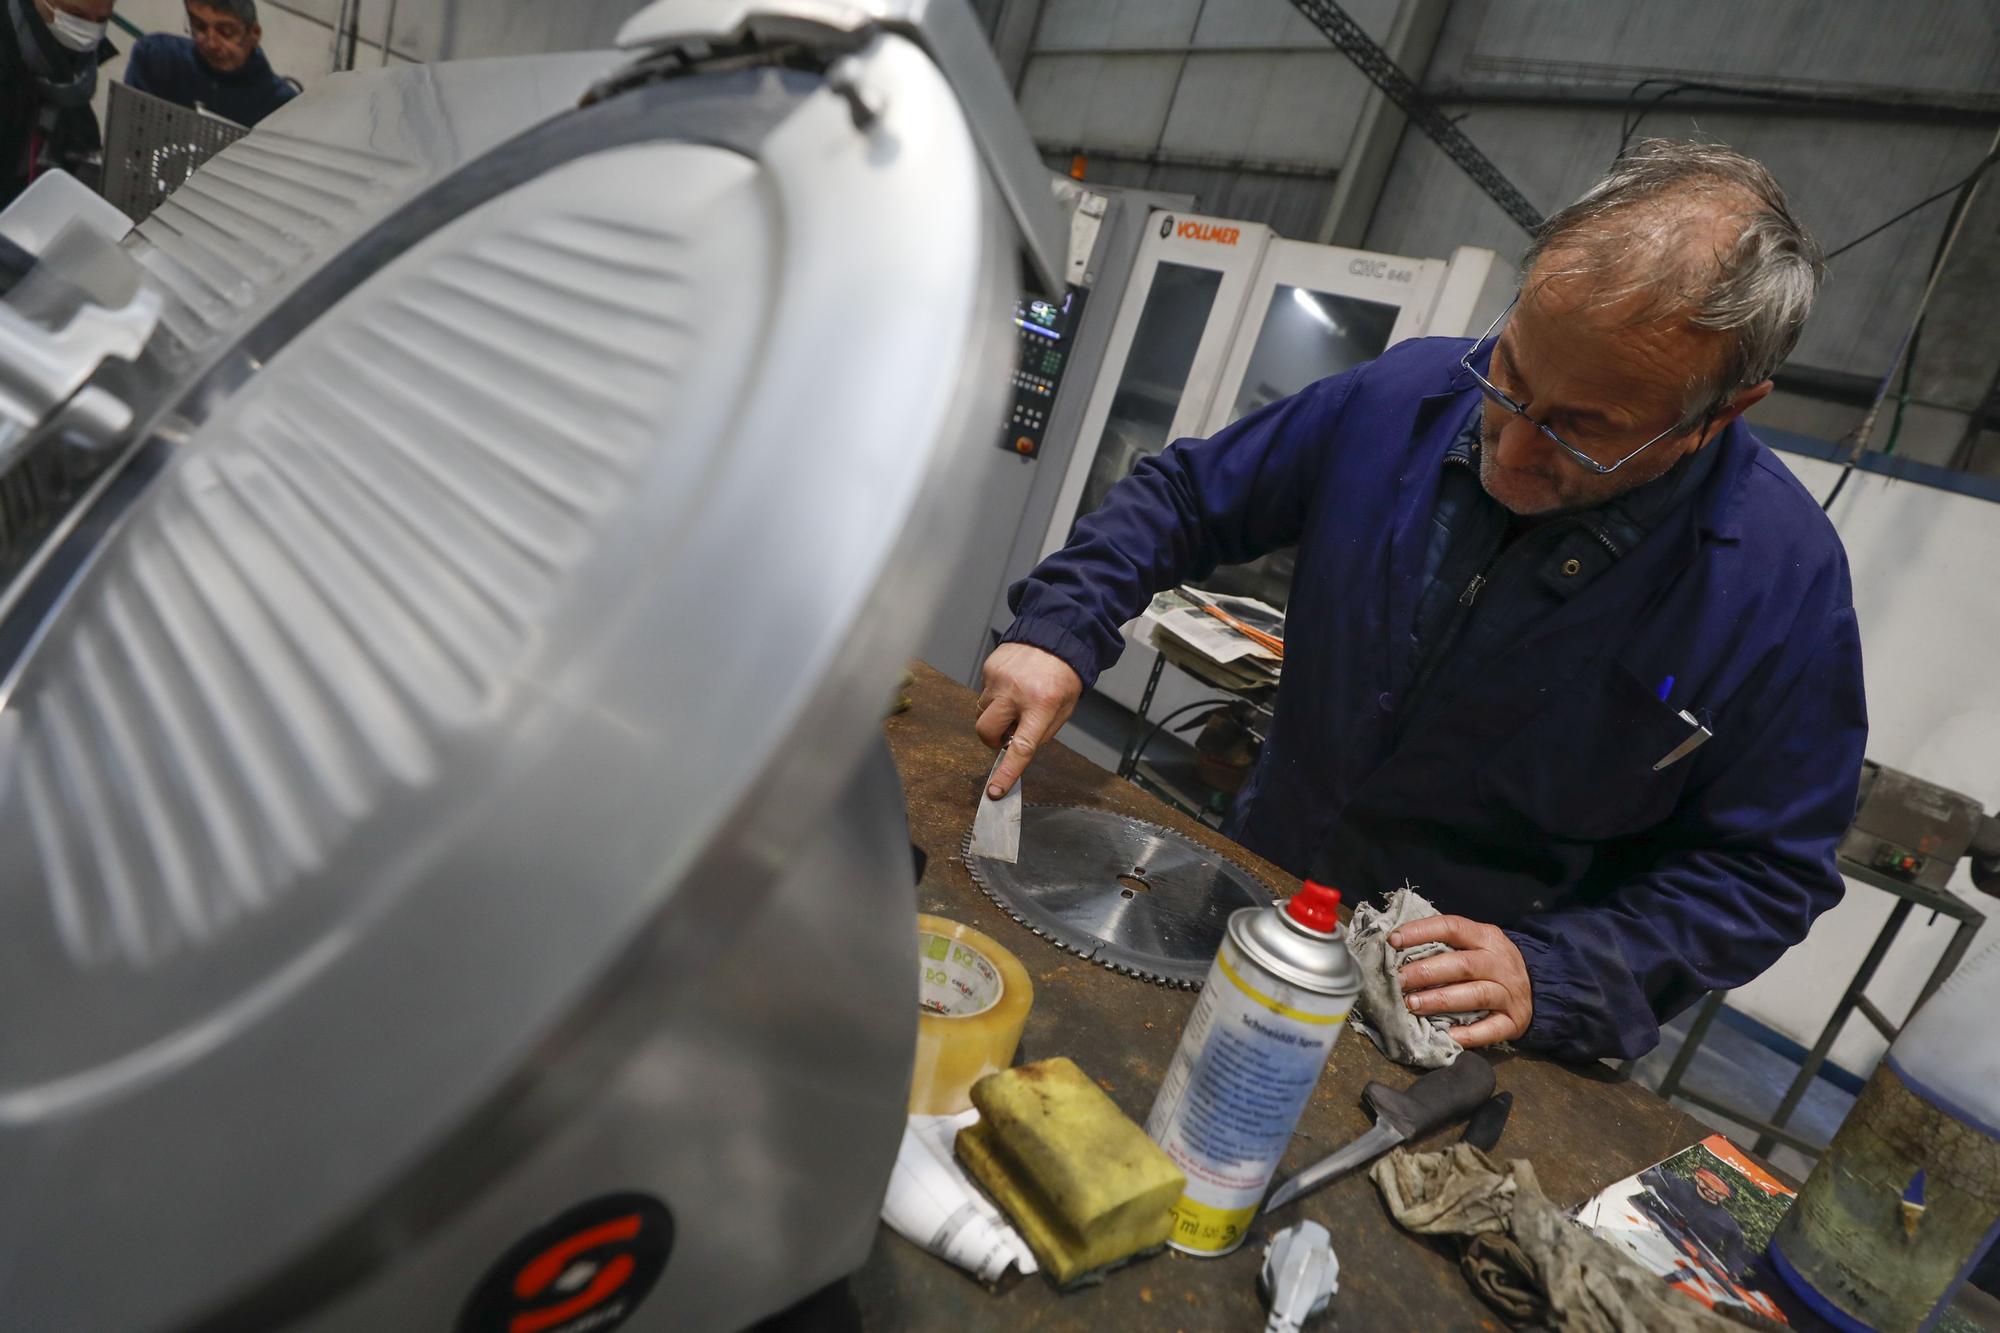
(1306, 336)
(1156, 371)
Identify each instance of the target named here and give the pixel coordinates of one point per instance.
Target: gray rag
(1402, 1036)
(1523, 1256)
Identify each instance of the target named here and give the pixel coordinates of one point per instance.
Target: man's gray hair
(1706, 233)
(243, 11)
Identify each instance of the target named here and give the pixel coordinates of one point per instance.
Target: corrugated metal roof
(1291, 205)
(1278, 23)
(1173, 77)
(1843, 177)
(1111, 24)
(1939, 46)
(1112, 101)
(1294, 108)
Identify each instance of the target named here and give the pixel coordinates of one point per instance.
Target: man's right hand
(1030, 694)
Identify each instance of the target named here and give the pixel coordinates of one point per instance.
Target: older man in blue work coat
(1567, 646)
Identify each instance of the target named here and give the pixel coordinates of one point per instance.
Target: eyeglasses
(1500, 396)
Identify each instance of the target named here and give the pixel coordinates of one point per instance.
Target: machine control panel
(1042, 329)
(1899, 862)
(1910, 829)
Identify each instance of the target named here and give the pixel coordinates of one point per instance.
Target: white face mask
(75, 33)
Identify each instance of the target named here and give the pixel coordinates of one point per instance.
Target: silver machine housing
(441, 778)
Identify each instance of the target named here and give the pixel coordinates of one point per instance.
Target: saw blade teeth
(1108, 843)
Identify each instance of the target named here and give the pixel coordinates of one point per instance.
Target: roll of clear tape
(972, 1001)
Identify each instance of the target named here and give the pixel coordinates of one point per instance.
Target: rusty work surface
(1581, 1127)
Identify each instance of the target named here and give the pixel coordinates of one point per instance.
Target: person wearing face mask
(219, 67)
(49, 54)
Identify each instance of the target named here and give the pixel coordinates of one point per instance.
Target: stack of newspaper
(1240, 649)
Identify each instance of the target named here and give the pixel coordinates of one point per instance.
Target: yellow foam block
(1084, 1184)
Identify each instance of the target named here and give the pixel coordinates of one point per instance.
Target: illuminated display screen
(1046, 317)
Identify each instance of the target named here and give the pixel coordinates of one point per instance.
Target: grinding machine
(457, 553)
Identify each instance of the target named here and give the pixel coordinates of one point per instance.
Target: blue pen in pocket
(1698, 733)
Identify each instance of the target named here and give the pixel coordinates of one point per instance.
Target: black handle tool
(1436, 1099)
(1483, 1130)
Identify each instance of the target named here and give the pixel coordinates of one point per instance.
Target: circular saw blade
(1136, 897)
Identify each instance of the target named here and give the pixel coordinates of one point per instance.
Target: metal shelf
(1176, 781)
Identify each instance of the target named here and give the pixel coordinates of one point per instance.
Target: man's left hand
(1485, 972)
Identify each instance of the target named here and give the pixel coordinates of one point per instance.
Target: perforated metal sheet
(151, 145)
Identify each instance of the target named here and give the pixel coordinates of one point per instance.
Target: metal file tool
(996, 828)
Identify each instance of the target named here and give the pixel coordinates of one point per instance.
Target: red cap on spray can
(1316, 907)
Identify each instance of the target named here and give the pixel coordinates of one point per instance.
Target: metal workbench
(1582, 1127)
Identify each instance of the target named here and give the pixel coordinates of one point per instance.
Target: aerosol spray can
(1276, 998)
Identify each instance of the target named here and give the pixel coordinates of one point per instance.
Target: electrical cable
(1977, 172)
(1153, 735)
(1903, 394)
(1960, 210)
(1906, 351)
(1628, 125)
(1854, 101)
(1626, 131)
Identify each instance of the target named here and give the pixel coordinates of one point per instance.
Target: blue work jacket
(1529, 797)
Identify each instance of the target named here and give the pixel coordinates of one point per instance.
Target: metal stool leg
(1947, 963)
(1128, 762)
(1841, 1012)
(1697, 1034)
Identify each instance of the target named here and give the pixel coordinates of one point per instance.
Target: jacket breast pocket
(1582, 768)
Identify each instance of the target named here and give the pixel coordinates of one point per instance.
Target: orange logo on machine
(585, 1271)
(1190, 230)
